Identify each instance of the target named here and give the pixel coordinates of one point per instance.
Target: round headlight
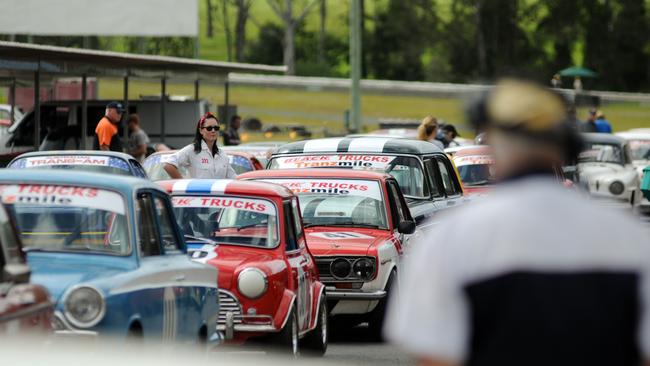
(84, 306)
(616, 188)
(340, 268)
(252, 283)
(364, 268)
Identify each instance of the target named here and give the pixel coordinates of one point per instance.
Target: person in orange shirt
(106, 137)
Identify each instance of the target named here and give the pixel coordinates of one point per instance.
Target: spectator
(449, 135)
(202, 158)
(428, 131)
(231, 135)
(106, 137)
(602, 124)
(590, 124)
(556, 81)
(138, 139)
(577, 84)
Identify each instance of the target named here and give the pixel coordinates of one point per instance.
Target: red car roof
(315, 173)
(225, 186)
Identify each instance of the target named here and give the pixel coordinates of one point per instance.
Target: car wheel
(287, 340)
(315, 343)
(376, 320)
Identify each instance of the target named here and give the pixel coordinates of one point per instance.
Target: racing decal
(244, 204)
(55, 160)
(361, 188)
(369, 144)
(58, 195)
(341, 235)
(474, 160)
(353, 161)
(169, 315)
(200, 185)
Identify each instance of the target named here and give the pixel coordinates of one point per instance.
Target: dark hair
(197, 135)
(134, 117)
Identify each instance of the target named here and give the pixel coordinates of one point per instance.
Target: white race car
(605, 165)
(639, 142)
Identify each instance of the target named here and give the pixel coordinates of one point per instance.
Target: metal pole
(84, 111)
(12, 96)
(355, 64)
(196, 89)
(226, 103)
(37, 107)
(163, 87)
(125, 103)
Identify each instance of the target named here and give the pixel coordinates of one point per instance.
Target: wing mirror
(16, 273)
(406, 227)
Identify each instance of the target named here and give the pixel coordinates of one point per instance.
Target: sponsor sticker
(474, 160)
(343, 235)
(351, 187)
(245, 204)
(351, 161)
(58, 195)
(66, 160)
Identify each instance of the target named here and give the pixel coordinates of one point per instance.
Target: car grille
(228, 303)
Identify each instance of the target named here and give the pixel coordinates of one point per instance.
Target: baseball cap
(450, 128)
(116, 105)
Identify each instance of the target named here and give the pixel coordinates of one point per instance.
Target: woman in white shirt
(202, 158)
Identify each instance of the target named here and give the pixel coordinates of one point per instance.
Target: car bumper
(334, 294)
(63, 329)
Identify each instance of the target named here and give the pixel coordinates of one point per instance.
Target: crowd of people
(439, 134)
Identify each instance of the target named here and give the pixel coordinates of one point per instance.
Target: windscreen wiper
(196, 238)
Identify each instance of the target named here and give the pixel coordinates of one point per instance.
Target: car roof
(360, 145)
(633, 135)
(122, 183)
(473, 150)
(114, 154)
(604, 138)
(316, 173)
(224, 186)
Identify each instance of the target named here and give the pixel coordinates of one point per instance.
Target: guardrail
(443, 90)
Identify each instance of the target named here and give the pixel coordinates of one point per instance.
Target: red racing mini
(268, 280)
(358, 225)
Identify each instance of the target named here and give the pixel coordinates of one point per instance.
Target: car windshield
(89, 163)
(70, 219)
(640, 149)
(228, 219)
(601, 153)
(407, 170)
(477, 170)
(344, 202)
(240, 164)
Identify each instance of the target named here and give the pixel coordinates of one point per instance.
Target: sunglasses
(211, 128)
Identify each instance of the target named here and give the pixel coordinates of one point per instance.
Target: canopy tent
(578, 71)
(21, 63)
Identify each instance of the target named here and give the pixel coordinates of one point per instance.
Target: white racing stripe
(369, 144)
(180, 185)
(322, 145)
(220, 186)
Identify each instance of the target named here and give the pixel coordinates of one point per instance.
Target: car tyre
(376, 320)
(315, 343)
(287, 341)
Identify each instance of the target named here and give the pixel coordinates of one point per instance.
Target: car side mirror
(16, 273)
(406, 227)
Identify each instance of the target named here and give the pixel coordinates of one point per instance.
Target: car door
(300, 262)
(399, 212)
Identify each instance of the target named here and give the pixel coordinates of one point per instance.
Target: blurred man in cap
(106, 137)
(533, 274)
(590, 124)
(602, 124)
(449, 135)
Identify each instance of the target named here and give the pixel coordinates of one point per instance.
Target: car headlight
(84, 306)
(364, 268)
(252, 283)
(340, 268)
(616, 188)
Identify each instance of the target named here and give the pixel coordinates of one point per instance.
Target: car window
(147, 233)
(137, 169)
(229, 220)
(399, 215)
(447, 180)
(432, 171)
(297, 222)
(291, 242)
(167, 229)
